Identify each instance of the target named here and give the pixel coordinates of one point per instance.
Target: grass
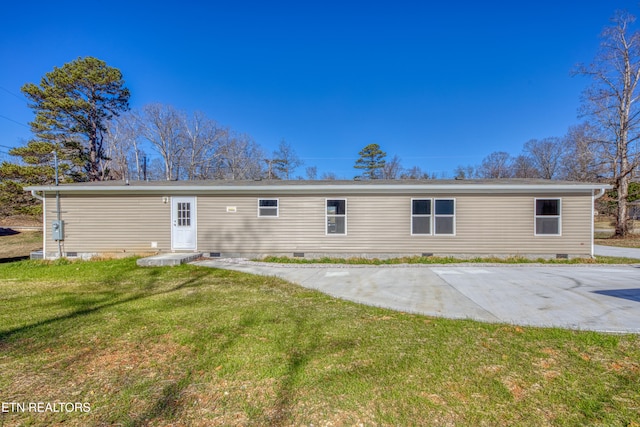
(18, 245)
(605, 234)
(432, 260)
(198, 346)
(607, 239)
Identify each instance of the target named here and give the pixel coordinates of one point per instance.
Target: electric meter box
(57, 229)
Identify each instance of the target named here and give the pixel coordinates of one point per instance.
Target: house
(374, 218)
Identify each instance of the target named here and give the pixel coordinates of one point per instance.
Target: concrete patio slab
(171, 259)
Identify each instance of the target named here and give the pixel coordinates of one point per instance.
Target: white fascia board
(320, 189)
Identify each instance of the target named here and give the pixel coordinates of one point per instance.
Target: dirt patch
(17, 221)
(15, 245)
(631, 241)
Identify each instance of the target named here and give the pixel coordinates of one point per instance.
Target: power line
(21, 98)
(11, 120)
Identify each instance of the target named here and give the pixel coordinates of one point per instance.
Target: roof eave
(320, 189)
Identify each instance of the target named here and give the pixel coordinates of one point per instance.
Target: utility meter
(57, 229)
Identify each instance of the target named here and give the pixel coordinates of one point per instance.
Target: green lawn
(198, 346)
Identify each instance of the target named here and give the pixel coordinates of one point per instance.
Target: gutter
(311, 189)
(600, 194)
(593, 226)
(33, 193)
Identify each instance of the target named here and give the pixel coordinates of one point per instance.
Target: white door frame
(184, 230)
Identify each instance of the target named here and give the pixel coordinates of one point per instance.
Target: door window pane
(184, 214)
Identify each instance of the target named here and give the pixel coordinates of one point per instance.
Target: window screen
(421, 216)
(547, 217)
(268, 207)
(336, 216)
(444, 216)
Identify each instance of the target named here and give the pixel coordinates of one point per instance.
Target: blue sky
(439, 85)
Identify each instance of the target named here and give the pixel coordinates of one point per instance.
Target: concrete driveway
(616, 252)
(600, 298)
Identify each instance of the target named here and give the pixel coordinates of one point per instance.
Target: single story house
(373, 218)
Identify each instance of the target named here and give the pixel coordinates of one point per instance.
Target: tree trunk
(622, 220)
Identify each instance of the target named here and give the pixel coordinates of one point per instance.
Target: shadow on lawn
(4, 336)
(301, 347)
(8, 231)
(13, 259)
(168, 404)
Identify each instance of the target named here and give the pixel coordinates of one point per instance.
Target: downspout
(55, 159)
(44, 221)
(593, 206)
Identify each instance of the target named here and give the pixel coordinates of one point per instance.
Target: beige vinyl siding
(485, 224)
(112, 224)
(500, 224)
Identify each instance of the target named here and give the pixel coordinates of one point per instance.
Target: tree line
(82, 114)
(573, 157)
(188, 147)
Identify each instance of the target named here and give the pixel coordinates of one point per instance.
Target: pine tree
(371, 161)
(35, 167)
(72, 105)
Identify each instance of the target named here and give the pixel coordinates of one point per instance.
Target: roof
(316, 187)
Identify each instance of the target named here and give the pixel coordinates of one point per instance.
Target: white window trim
(536, 216)
(430, 233)
(277, 215)
(454, 216)
(434, 216)
(326, 216)
(194, 221)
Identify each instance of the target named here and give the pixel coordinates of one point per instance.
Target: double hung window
(547, 217)
(268, 207)
(433, 216)
(421, 216)
(336, 211)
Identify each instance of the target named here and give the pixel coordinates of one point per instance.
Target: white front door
(183, 223)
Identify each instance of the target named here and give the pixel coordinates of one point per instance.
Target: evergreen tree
(72, 106)
(371, 161)
(35, 167)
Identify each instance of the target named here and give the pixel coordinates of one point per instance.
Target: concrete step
(168, 259)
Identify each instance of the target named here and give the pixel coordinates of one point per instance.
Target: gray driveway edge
(615, 251)
(603, 298)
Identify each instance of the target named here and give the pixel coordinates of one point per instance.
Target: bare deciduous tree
(161, 125)
(496, 165)
(122, 148)
(392, 169)
(545, 156)
(523, 167)
(329, 176)
(239, 158)
(583, 160)
(465, 172)
(312, 172)
(201, 139)
(284, 162)
(415, 172)
(611, 102)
